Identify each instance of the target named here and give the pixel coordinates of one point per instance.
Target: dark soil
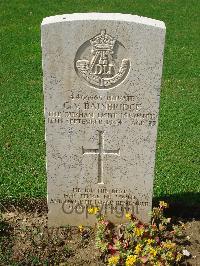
(26, 240)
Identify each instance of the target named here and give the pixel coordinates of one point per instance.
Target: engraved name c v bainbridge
(101, 152)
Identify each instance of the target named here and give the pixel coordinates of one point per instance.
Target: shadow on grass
(184, 205)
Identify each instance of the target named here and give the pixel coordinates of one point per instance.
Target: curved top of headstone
(104, 16)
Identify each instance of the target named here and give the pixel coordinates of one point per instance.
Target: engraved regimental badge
(101, 63)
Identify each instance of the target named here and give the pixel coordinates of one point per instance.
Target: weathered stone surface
(102, 75)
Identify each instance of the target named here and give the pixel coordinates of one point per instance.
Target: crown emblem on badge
(101, 70)
(102, 41)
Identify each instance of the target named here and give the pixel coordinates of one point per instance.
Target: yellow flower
(131, 260)
(113, 260)
(169, 245)
(150, 241)
(93, 210)
(138, 248)
(139, 231)
(96, 209)
(128, 216)
(179, 257)
(80, 228)
(153, 252)
(163, 204)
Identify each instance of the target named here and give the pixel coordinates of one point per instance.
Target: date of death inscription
(107, 110)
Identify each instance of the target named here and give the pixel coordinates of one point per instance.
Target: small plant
(136, 243)
(85, 233)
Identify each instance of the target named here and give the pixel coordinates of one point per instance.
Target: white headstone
(102, 76)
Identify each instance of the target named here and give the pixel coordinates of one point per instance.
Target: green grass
(22, 147)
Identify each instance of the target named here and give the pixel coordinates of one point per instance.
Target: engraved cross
(101, 152)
